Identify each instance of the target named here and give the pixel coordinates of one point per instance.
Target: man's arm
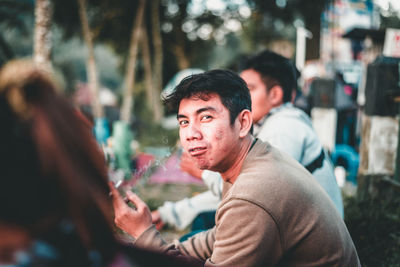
(133, 221)
(137, 223)
(198, 246)
(246, 235)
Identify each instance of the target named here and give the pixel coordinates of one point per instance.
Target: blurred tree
(129, 80)
(179, 38)
(185, 34)
(311, 11)
(153, 95)
(13, 15)
(42, 36)
(97, 108)
(179, 45)
(158, 55)
(278, 19)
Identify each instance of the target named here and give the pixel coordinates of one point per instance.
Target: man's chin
(203, 166)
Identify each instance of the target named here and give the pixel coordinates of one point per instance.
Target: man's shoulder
(287, 123)
(269, 174)
(266, 174)
(289, 113)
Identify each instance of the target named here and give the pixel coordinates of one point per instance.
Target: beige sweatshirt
(275, 214)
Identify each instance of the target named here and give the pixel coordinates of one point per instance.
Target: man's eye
(206, 117)
(183, 122)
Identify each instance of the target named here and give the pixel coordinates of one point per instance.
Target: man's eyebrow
(179, 116)
(209, 108)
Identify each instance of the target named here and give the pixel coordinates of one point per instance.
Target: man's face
(206, 133)
(260, 98)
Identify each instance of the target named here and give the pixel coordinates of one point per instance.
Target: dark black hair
(275, 70)
(228, 85)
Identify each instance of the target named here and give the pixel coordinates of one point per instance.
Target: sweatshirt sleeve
(198, 247)
(246, 235)
(181, 213)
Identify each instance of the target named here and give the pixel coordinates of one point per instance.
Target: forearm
(197, 247)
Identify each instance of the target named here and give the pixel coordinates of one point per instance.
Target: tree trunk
(129, 80)
(152, 95)
(5, 49)
(183, 62)
(178, 47)
(158, 50)
(97, 109)
(42, 36)
(311, 11)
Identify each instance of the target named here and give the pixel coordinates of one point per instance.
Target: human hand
(133, 221)
(156, 219)
(188, 165)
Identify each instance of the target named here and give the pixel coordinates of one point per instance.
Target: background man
(272, 212)
(271, 79)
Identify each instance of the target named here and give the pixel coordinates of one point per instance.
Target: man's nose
(193, 132)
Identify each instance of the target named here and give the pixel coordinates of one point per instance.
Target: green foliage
(390, 21)
(16, 19)
(374, 225)
(147, 132)
(12, 13)
(151, 134)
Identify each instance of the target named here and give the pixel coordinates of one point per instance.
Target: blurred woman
(55, 208)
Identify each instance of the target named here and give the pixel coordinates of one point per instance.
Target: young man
(272, 80)
(272, 212)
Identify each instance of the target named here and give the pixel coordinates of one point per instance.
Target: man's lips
(197, 151)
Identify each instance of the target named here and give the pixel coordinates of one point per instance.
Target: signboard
(391, 47)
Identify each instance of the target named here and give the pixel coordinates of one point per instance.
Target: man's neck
(233, 172)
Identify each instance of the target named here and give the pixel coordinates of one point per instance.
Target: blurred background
(114, 59)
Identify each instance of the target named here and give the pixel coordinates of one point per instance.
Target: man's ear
(276, 96)
(246, 121)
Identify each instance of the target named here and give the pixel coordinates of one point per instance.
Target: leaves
(374, 225)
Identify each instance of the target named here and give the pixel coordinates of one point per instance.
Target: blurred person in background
(272, 81)
(55, 208)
